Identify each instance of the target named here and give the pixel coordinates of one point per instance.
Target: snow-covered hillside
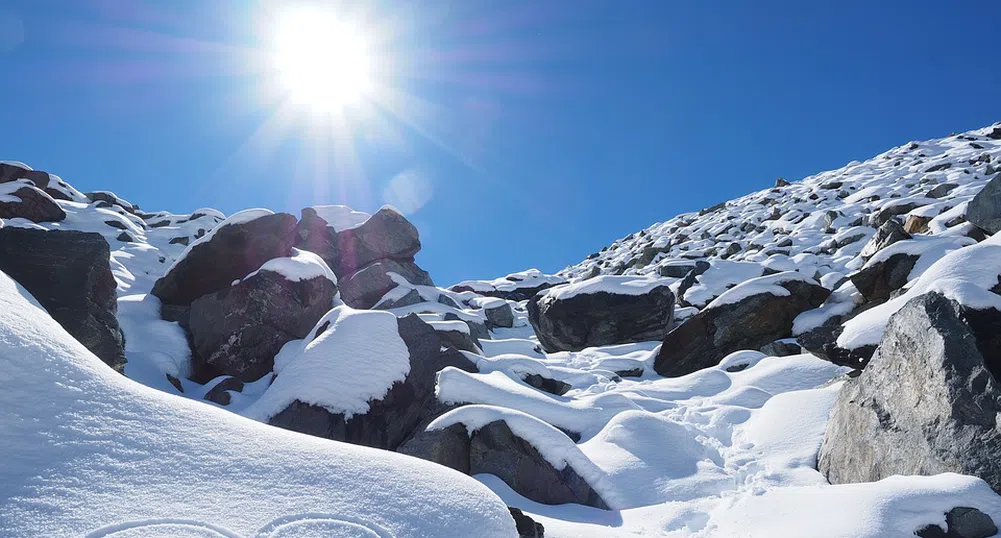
(815, 359)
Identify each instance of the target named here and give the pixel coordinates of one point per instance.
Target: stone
(393, 419)
(365, 288)
(887, 234)
(238, 331)
(220, 392)
(984, 210)
(878, 280)
(940, 191)
(233, 252)
(34, 205)
(547, 384)
(823, 343)
(385, 235)
(69, 274)
(499, 315)
(781, 348)
(682, 269)
(927, 403)
(962, 522)
(599, 319)
(526, 526)
(750, 323)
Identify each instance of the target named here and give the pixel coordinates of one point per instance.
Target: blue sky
(523, 133)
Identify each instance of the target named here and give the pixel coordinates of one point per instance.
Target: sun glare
(321, 62)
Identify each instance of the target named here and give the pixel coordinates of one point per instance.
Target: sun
(322, 62)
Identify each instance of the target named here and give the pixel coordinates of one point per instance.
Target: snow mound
(88, 452)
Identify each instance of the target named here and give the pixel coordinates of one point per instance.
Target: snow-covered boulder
(386, 235)
(111, 199)
(961, 522)
(21, 199)
(889, 233)
(601, 311)
(69, 273)
(365, 377)
(231, 251)
(532, 457)
(498, 312)
(51, 184)
(88, 452)
(927, 403)
(985, 209)
(238, 330)
(747, 316)
(366, 287)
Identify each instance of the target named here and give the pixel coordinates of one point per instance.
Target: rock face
(927, 403)
(68, 272)
(238, 331)
(499, 314)
(750, 323)
(386, 235)
(364, 288)
(963, 522)
(391, 420)
(496, 450)
(877, 281)
(233, 252)
(601, 318)
(985, 209)
(32, 204)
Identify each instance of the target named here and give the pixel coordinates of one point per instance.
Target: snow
(302, 265)
(613, 284)
(341, 217)
(326, 370)
(770, 284)
(88, 452)
(154, 347)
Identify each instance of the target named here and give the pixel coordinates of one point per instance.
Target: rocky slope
(814, 359)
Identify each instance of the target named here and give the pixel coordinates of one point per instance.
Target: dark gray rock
(781, 349)
(495, 449)
(526, 526)
(889, 233)
(889, 213)
(232, 253)
(680, 270)
(220, 392)
(823, 343)
(984, 210)
(112, 199)
(704, 339)
(460, 340)
(962, 522)
(939, 167)
(598, 319)
(69, 273)
(363, 289)
(940, 191)
(35, 205)
(386, 235)
(238, 331)
(877, 281)
(500, 315)
(547, 384)
(412, 297)
(927, 403)
(393, 419)
(42, 180)
(445, 446)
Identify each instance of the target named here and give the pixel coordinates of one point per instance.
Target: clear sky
(514, 134)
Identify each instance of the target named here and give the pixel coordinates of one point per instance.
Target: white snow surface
(90, 453)
(613, 284)
(301, 265)
(341, 217)
(327, 371)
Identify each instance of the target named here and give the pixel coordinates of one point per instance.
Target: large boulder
(495, 449)
(51, 184)
(985, 209)
(747, 316)
(366, 287)
(604, 310)
(386, 235)
(392, 419)
(889, 233)
(238, 331)
(927, 403)
(69, 273)
(23, 200)
(229, 252)
(879, 279)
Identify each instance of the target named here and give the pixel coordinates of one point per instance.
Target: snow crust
(302, 265)
(613, 284)
(341, 217)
